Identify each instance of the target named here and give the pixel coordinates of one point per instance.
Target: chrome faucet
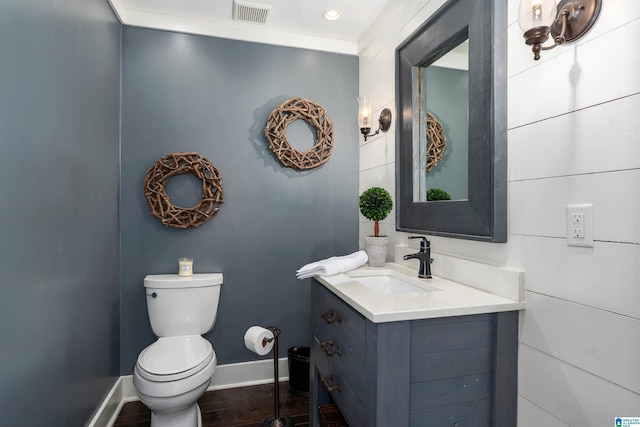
(424, 256)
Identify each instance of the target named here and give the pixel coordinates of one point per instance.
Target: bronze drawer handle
(326, 347)
(325, 382)
(330, 317)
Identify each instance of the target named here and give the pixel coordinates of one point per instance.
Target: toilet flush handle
(154, 295)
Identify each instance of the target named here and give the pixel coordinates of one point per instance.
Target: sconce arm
(365, 132)
(560, 38)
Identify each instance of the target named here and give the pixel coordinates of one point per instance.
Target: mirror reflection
(440, 96)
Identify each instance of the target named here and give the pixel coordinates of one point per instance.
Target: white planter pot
(376, 248)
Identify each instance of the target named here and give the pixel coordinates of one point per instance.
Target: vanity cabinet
(448, 371)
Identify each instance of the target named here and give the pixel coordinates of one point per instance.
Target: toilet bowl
(174, 372)
(171, 391)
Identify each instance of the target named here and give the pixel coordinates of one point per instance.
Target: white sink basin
(388, 282)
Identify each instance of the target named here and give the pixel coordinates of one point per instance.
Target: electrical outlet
(577, 221)
(580, 225)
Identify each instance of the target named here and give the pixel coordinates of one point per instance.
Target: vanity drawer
(344, 363)
(335, 321)
(338, 352)
(336, 379)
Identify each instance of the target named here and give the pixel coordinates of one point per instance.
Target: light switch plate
(580, 225)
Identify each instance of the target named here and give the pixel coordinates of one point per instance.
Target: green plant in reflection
(437, 194)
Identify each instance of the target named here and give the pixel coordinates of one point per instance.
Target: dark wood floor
(237, 407)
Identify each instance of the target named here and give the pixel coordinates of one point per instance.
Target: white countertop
(452, 298)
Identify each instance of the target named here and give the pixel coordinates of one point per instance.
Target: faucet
(424, 256)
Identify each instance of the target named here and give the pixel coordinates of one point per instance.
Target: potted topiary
(375, 205)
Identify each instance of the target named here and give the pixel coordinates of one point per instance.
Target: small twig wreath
(436, 141)
(175, 164)
(312, 113)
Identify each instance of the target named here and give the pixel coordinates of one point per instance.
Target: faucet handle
(424, 244)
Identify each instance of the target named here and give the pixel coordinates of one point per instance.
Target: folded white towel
(333, 265)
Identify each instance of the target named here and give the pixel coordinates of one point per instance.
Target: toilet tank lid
(169, 281)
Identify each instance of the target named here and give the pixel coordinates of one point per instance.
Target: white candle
(185, 267)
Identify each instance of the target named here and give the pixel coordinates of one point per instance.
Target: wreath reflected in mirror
(436, 141)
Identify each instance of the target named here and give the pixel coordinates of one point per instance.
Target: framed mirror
(451, 134)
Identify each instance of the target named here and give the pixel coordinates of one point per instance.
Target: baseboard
(245, 374)
(233, 375)
(110, 407)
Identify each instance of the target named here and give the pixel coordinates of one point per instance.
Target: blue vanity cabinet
(450, 371)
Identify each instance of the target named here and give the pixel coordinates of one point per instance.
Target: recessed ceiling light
(331, 15)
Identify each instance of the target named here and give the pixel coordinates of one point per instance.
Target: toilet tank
(182, 305)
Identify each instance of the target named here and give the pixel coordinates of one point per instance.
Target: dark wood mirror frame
(483, 216)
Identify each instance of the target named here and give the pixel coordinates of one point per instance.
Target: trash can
(299, 370)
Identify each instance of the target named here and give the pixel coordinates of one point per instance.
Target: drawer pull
(325, 383)
(330, 317)
(326, 346)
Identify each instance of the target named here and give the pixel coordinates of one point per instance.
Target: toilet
(174, 372)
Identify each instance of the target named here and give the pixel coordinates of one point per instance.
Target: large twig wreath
(312, 113)
(436, 141)
(175, 164)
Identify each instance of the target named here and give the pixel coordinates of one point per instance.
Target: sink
(388, 282)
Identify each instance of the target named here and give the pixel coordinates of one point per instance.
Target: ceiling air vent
(250, 12)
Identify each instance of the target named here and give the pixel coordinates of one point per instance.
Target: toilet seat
(174, 358)
(150, 389)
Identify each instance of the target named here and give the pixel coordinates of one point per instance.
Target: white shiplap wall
(574, 137)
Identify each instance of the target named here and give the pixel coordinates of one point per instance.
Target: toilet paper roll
(254, 340)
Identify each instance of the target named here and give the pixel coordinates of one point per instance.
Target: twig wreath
(312, 113)
(436, 141)
(175, 164)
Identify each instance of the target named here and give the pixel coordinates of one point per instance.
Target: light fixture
(567, 21)
(365, 118)
(332, 15)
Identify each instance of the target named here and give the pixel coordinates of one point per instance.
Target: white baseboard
(233, 375)
(245, 374)
(110, 407)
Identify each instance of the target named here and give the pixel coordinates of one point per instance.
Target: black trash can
(299, 370)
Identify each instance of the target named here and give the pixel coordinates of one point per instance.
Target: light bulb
(536, 13)
(364, 112)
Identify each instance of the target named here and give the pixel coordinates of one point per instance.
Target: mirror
(437, 98)
(440, 137)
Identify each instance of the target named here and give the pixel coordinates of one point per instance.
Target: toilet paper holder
(275, 420)
(276, 332)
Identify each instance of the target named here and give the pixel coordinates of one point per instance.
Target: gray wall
(190, 93)
(59, 124)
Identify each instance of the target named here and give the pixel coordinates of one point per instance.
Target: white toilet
(175, 371)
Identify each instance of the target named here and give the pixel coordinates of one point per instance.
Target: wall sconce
(567, 21)
(365, 119)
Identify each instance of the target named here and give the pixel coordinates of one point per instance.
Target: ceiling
(297, 23)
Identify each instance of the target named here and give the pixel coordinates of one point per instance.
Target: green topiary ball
(437, 194)
(375, 203)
